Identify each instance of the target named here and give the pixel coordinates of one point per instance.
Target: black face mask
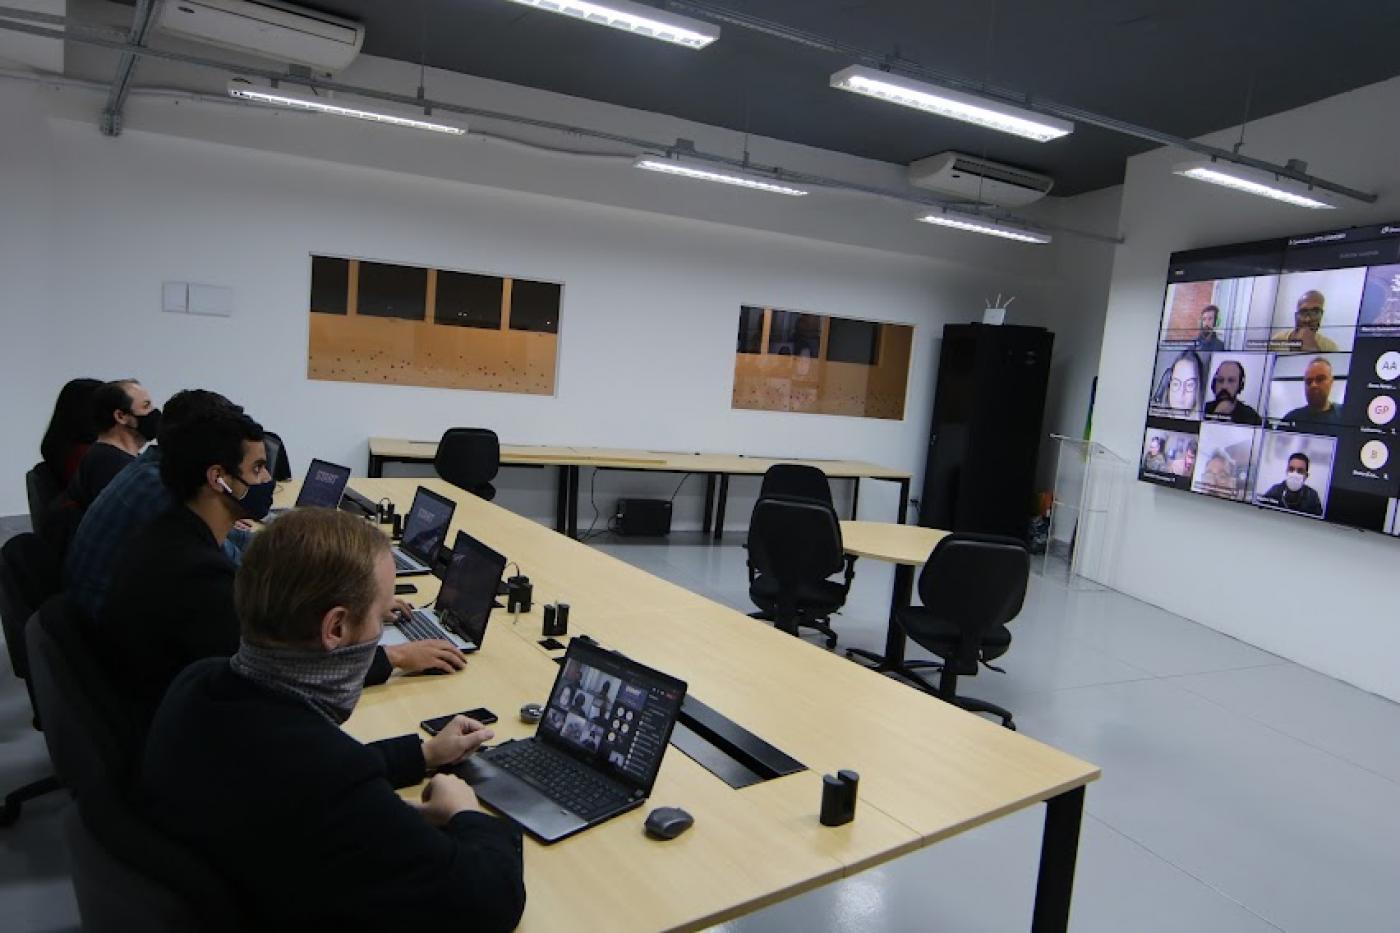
(147, 425)
(256, 500)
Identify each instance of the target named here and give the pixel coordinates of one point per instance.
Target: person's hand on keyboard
(445, 796)
(458, 739)
(430, 654)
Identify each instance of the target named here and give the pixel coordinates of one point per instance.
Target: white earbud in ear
(220, 481)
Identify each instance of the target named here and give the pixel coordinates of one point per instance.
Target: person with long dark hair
(70, 430)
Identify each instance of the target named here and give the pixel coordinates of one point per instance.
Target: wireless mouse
(668, 822)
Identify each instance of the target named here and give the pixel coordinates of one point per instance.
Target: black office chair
(26, 580)
(796, 481)
(469, 458)
(127, 874)
(278, 463)
(42, 488)
(794, 546)
(971, 587)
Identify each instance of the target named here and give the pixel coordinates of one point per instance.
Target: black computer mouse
(668, 822)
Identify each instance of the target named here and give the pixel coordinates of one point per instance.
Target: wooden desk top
(898, 544)
(620, 458)
(928, 770)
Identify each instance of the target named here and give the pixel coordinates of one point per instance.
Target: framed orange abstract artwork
(813, 363)
(394, 324)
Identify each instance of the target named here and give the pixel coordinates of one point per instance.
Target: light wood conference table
(928, 770)
(716, 468)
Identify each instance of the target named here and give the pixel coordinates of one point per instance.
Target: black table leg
(903, 502)
(708, 522)
(719, 506)
(573, 502)
(901, 593)
(561, 500)
(1059, 848)
(855, 498)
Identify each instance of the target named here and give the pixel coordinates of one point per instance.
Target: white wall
(1322, 596)
(650, 301)
(1074, 309)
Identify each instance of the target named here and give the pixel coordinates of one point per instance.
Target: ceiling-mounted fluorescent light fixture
(298, 99)
(975, 223)
(956, 105)
(702, 172)
(634, 18)
(1255, 181)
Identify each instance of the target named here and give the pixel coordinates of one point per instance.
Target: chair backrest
(90, 729)
(128, 875)
(27, 578)
(976, 582)
(278, 463)
(796, 481)
(468, 458)
(42, 488)
(794, 541)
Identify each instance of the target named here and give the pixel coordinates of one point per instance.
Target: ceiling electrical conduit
(99, 38)
(899, 65)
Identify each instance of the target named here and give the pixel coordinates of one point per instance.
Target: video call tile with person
(1223, 458)
(1295, 472)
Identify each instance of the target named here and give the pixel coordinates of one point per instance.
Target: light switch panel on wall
(174, 297)
(193, 298)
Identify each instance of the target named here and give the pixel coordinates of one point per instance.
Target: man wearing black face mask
(125, 420)
(215, 466)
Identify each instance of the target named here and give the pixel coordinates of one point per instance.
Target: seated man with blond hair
(247, 765)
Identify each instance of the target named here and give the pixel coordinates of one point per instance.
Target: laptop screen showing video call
(324, 485)
(469, 587)
(614, 712)
(426, 524)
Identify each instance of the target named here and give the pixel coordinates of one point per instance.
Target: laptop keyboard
(562, 779)
(404, 562)
(420, 627)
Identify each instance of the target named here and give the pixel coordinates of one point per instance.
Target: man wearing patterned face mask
(1294, 493)
(248, 750)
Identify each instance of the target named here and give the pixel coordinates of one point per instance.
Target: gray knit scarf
(329, 682)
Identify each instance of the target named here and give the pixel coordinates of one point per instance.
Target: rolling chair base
(15, 799)
(821, 627)
(971, 704)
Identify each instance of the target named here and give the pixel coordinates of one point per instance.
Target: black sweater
(149, 633)
(99, 466)
(303, 821)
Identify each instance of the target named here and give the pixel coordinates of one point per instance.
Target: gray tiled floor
(1240, 792)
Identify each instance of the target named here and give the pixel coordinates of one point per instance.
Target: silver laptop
(596, 752)
(464, 604)
(423, 532)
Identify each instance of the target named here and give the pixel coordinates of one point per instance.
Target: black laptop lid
(613, 713)
(324, 485)
(468, 591)
(426, 525)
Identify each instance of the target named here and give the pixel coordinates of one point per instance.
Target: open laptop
(464, 604)
(423, 532)
(323, 487)
(596, 752)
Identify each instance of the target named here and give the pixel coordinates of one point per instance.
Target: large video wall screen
(1277, 376)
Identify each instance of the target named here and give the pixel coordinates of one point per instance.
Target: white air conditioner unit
(958, 173)
(266, 28)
